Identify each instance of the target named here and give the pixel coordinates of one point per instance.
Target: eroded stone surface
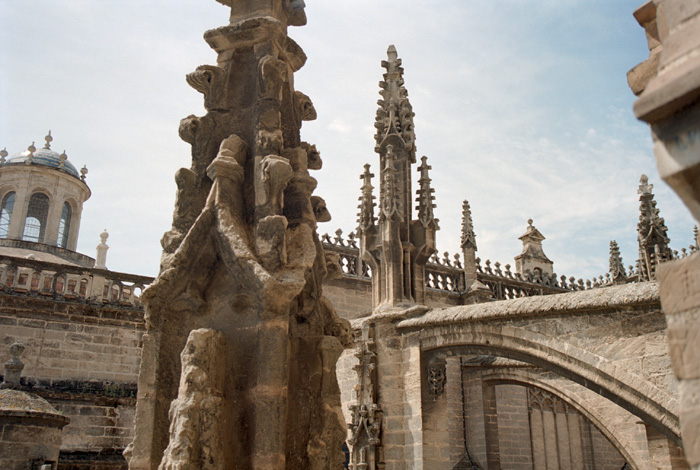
(243, 261)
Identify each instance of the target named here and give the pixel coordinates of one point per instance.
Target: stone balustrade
(41, 278)
(446, 273)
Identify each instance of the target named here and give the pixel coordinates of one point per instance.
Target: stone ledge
(604, 299)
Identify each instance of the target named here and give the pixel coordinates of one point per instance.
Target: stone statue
(239, 336)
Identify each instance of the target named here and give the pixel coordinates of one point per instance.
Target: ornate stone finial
(101, 257)
(651, 233)
(365, 218)
(696, 237)
(30, 157)
(3, 155)
(395, 113)
(617, 269)
(48, 140)
(83, 173)
(468, 236)
(529, 224)
(644, 186)
(63, 157)
(425, 195)
(13, 367)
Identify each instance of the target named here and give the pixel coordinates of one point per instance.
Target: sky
(522, 108)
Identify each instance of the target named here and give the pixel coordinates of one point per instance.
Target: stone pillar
(493, 456)
(669, 101)
(243, 259)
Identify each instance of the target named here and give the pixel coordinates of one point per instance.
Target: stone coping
(600, 299)
(64, 254)
(20, 404)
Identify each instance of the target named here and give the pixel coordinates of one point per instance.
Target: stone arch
(38, 209)
(64, 224)
(7, 203)
(518, 376)
(633, 393)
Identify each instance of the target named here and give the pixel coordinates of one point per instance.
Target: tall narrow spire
(651, 232)
(425, 195)
(365, 218)
(395, 113)
(468, 236)
(397, 248)
(617, 269)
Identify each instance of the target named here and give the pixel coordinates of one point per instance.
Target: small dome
(44, 157)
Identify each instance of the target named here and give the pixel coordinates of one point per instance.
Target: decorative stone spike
(468, 239)
(83, 172)
(425, 195)
(366, 217)
(3, 155)
(617, 268)
(651, 233)
(63, 157)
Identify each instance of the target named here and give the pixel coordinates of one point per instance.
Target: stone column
(669, 101)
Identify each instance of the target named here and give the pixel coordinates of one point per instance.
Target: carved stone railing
(348, 254)
(446, 274)
(52, 280)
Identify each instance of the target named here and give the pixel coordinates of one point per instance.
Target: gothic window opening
(8, 203)
(35, 222)
(64, 225)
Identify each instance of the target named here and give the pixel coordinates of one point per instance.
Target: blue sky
(522, 107)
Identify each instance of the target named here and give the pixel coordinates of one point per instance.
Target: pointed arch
(36, 219)
(6, 209)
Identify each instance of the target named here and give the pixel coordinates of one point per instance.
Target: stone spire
(397, 248)
(651, 233)
(425, 195)
(617, 269)
(468, 244)
(533, 258)
(365, 218)
(238, 332)
(474, 290)
(468, 239)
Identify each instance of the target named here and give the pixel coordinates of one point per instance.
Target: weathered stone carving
(13, 367)
(617, 269)
(651, 233)
(396, 247)
(242, 267)
(437, 377)
(197, 434)
(365, 450)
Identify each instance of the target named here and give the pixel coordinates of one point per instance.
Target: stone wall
(84, 359)
(73, 341)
